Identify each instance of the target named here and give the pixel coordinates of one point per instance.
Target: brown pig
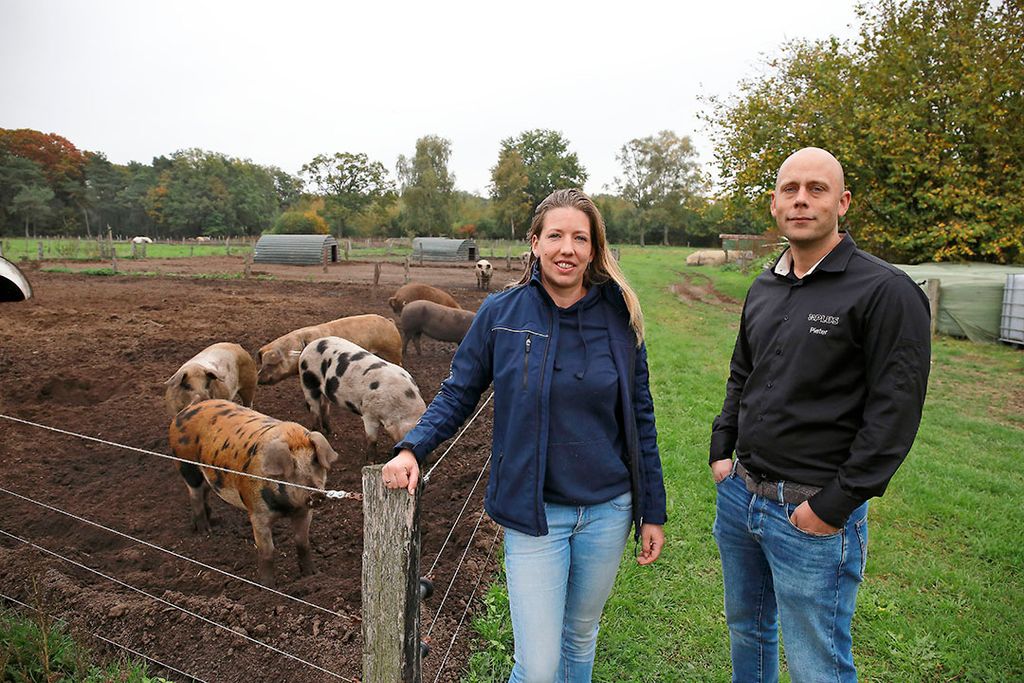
(375, 333)
(436, 321)
(222, 370)
(416, 291)
(227, 435)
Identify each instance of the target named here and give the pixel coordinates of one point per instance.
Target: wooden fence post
(323, 258)
(39, 251)
(933, 302)
(376, 273)
(391, 583)
(248, 266)
(407, 259)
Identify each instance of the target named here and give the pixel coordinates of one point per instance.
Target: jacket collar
(833, 262)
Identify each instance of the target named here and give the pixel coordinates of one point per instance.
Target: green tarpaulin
(970, 296)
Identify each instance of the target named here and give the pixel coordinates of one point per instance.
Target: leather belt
(777, 490)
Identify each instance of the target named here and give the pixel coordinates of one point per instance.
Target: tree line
(925, 109)
(48, 185)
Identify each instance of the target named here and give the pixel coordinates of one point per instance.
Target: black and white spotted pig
(334, 370)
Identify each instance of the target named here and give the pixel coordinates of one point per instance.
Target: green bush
(300, 223)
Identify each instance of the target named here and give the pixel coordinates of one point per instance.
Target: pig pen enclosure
(89, 355)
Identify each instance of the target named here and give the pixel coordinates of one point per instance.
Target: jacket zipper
(526, 361)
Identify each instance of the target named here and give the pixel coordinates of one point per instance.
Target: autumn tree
(349, 183)
(926, 112)
(300, 223)
(660, 176)
(548, 163)
(61, 163)
(427, 187)
(510, 182)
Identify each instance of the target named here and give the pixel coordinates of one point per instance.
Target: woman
(575, 455)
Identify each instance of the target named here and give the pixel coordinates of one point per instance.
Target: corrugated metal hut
(13, 285)
(301, 250)
(443, 249)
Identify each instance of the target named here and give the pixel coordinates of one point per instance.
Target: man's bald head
(815, 155)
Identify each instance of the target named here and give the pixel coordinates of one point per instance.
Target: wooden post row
(391, 583)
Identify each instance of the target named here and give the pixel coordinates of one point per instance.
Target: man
(823, 401)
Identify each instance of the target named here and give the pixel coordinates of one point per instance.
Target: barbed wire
(177, 607)
(328, 494)
(469, 603)
(469, 424)
(174, 554)
(458, 567)
(133, 651)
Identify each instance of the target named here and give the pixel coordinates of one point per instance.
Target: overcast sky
(280, 82)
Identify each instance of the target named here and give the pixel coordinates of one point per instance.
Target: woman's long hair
(603, 267)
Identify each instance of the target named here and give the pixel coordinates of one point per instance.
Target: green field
(71, 248)
(944, 594)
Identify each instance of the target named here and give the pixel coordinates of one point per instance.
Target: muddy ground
(89, 355)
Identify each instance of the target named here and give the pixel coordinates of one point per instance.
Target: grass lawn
(944, 594)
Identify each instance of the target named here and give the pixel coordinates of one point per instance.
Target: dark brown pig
(436, 321)
(417, 291)
(227, 435)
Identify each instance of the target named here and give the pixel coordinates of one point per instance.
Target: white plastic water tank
(1011, 327)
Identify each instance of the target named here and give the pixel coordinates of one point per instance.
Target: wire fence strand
(177, 607)
(469, 424)
(463, 510)
(328, 494)
(455, 575)
(469, 603)
(174, 554)
(133, 651)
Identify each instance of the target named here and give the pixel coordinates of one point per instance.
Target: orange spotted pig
(224, 434)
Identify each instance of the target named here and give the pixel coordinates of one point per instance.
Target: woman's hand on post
(402, 471)
(652, 539)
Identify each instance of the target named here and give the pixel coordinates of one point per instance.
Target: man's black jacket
(828, 378)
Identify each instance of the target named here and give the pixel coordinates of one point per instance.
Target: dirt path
(89, 355)
(697, 287)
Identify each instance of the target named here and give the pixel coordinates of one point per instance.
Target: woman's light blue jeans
(557, 587)
(775, 572)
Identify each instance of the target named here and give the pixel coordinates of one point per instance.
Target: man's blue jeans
(775, 572)
(557, 587)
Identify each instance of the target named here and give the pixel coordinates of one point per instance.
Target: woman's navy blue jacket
(511, 343)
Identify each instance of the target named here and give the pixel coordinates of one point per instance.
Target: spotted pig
(227, 435)
(334, 370)
(222, 370)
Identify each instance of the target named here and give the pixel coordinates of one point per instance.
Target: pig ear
(325, 455)
(277, 460)
(175, 378)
